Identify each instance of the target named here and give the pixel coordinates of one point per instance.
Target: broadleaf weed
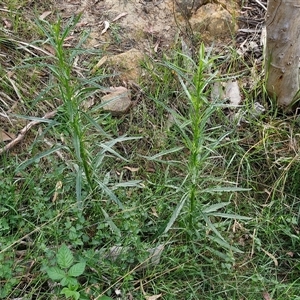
(66, 272)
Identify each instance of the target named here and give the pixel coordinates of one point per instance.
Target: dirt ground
(150, 24)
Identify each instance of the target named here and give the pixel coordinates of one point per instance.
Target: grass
(222, 199)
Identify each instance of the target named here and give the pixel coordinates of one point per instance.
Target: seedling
(66, 272)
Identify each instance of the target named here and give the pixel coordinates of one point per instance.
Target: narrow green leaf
(224, 244)
(229, 216)
(40, 120)
(130, 183)
(64, 257)
(107, 147)
(227, 189)
(212, 227)
(37, 157)
(108, 192)
(215, 207)
(176, 213)
(221, 255)
(77, 269)
(111, 224)
(96, 125)
(160, 154)
(56, 273)
(79, 187)
(112, 151)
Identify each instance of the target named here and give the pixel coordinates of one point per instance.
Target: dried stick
(24, 130)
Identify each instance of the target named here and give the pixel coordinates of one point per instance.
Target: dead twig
(24, 130)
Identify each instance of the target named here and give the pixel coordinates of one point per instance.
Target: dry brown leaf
(5, 136)
(131, 169)
(156, 46)
(271, 256)
(120, 16)
(58, 187)
(154, 297)
(24, 130)
(49, 48)
(82, 24)
(99, 64)
(106, 26)
(266, 296)
(86, 104)
(154, 212)
(7, 24)
(44, 15)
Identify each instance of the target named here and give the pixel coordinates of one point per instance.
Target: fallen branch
(24, 130)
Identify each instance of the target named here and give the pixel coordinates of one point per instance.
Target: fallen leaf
(86, 104)
(131, 169)
(58, 187)
(119, 16)
(154, 212)
(7, 24)
(154, 297)
(5, 136)
(156, 46)
(217, 91)
(82, 24)
(266, 296)
(44, 15)
(106, 26)
(99, 64)
(49, 48)
(232, 92)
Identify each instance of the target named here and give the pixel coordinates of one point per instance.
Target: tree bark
(283, 50)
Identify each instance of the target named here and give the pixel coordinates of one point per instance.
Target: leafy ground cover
(185, 197)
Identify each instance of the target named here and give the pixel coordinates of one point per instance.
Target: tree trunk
(283, 50)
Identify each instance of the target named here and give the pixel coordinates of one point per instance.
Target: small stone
(128, 64)
(118, 101)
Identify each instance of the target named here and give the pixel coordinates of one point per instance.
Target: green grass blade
(109, 193)
(229, 216)
(32, 160)
(224, 189)
(162, 153)
(79, 187)
(176, 213)
(212, 227)
(215, 207)
(111, 223)
(224, 244)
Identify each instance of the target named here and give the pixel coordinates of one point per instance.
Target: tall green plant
(201, 144)
(72, 93)
(73, 89)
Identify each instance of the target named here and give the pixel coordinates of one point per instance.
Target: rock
(118, 101)
(128, 63)
(213, 22)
